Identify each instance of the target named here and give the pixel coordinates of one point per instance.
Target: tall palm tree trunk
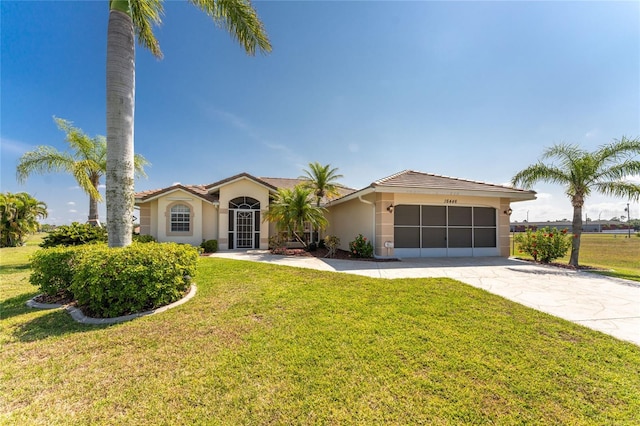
(577, 232)
(120, 110)
(93, 202)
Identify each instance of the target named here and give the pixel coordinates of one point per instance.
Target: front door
(244, 229)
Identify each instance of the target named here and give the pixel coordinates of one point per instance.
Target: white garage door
(441, 231)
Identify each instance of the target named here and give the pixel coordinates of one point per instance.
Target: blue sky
(473, 90)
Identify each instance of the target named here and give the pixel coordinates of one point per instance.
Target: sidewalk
(606, 304)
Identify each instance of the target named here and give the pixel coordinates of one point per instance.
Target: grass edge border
(80, 317)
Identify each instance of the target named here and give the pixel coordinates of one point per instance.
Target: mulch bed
(563, 265)
(321, 253)
(57, 299)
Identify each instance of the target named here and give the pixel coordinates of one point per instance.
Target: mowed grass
(618, 255)
(265, 344)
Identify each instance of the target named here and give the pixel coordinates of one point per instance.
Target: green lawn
(265, 344)
(619, 255)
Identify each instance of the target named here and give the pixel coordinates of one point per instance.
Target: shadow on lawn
(53, 322)
(56, 322)
(16, 305)
(13, 269)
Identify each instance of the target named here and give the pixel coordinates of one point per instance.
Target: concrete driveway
(609, 305)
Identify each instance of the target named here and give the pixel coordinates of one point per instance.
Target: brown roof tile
(413, 179)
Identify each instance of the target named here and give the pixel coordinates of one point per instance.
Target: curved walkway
(606, 304)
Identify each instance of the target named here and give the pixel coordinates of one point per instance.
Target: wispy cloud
(246, 128)
(71, 203)
(12, 146)
(73, 211)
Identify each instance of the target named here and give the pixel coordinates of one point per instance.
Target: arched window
(180, 218)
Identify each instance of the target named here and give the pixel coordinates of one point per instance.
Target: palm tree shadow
(16, 305)
(57, 322)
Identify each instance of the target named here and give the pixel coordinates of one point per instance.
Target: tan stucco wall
(348, 219)
(242, 188)
(164, 218)
(149, 219)
(209, 222)
(503, 228)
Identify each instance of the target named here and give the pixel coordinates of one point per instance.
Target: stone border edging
(80, 317)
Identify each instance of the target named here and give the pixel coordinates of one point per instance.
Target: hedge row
(110, 282)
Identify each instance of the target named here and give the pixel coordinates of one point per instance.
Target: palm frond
(82, 172)
(44, 159)
(240, 19)
(145, 14)
(621, 189)
(540, 173)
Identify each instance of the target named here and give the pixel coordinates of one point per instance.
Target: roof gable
(197, 190)
(216, 185)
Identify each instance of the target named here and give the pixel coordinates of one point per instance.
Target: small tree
(292, 208)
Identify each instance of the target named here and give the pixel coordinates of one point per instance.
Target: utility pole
(628, 220)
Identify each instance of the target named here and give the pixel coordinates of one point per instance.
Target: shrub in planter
(52, 270)
(74, 235)
(209, 246)
(112, 282)
(360, 247)
(545, 244)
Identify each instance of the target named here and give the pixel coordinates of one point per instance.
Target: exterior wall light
(390, 208)
(508, 211)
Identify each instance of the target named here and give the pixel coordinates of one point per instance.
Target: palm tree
(128, 19)
(322, 181)
(292, 208)
(87, 162)
(19, 215)
(580, 172)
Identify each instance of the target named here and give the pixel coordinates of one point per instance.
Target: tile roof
(202, 191)
(239, 176)
(414, 179)
(197, 190)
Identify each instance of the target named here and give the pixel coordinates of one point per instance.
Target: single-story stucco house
(408, 214)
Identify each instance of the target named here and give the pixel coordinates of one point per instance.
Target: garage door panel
(434, 237)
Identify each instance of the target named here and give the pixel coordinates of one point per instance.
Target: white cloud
(73, 211)
(591, 134)
(12, 146)
(71, 203)
(102, 186)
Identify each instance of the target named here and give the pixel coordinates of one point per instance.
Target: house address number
(450, 201)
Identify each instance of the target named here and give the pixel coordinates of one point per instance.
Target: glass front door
(244, 229)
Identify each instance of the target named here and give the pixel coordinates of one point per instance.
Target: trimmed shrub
(113, 282)
(143, 238)
(360, 247)
(74, 235)
(52, 270)
(210, 246)
(545, 244)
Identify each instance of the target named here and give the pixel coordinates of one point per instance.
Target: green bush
(74, 235)
(143, 238)
(210, 246)
(113, 282)
(360, 247)
(52, 270)
(545, 244)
